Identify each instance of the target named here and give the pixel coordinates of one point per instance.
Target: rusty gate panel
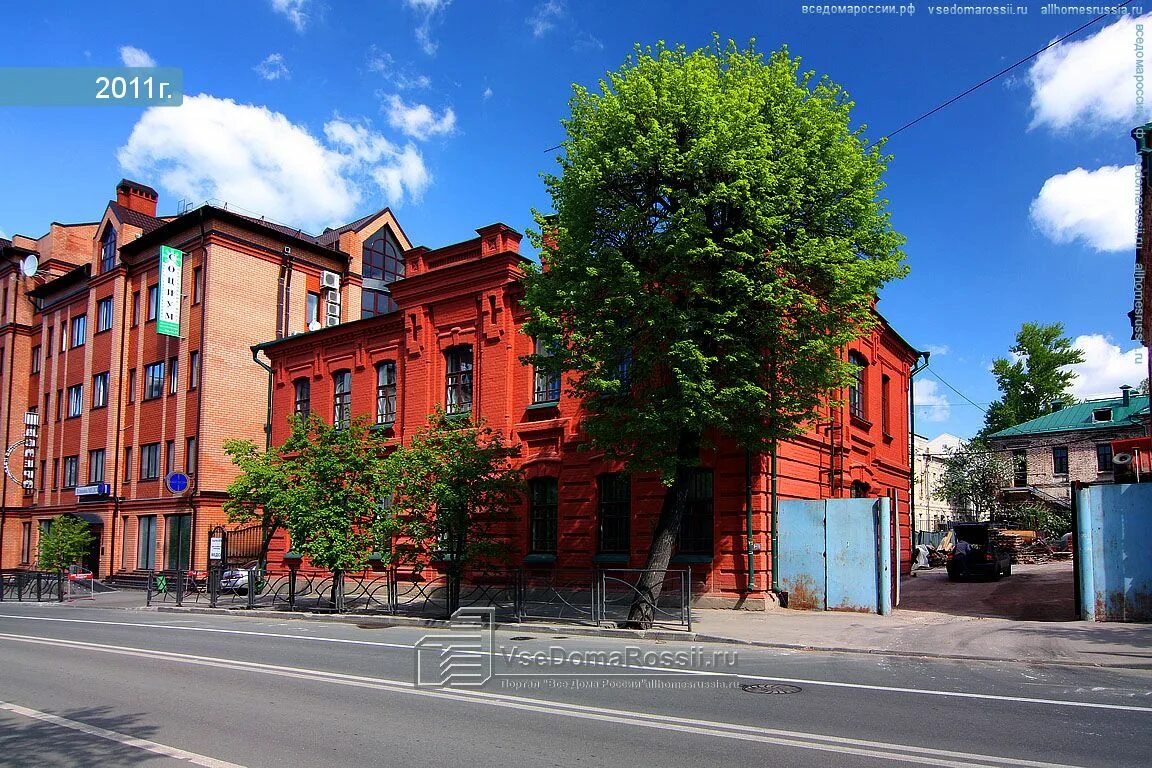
(1115, 571)
(852, 554)
(800, 533)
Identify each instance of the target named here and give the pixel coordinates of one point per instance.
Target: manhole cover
(522, 637)
(769, 688)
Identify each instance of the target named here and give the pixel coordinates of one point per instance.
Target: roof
(1077, 417)
(67, 280)
(137, 186)
(141, 221)
(332, 236)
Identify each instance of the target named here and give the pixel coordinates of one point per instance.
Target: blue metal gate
(1114, 528)
(836, 554)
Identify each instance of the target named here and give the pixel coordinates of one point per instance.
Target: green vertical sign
(171, 269)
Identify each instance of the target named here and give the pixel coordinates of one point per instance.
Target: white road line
(637, 667)
(777, 737)
(119, 738)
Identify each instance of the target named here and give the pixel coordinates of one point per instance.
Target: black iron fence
(32, 586)
(591, 596)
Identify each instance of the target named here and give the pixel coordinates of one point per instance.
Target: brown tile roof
(142, 221)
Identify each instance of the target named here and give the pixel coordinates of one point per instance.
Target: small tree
(451, 487)
(64, 543)
(324, 485)
(972, 480)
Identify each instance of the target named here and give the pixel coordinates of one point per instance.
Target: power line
(1006, 70)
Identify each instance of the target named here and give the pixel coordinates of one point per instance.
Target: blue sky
(1017, 201)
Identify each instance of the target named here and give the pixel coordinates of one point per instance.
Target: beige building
(931, 512)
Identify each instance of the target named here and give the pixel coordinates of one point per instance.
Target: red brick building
(122, 405)
(455, 341)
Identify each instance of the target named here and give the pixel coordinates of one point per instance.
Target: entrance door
(91, 560)
(179, 542)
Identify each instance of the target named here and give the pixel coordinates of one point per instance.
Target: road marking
(119, 738)
(717, 729)
(636, 667)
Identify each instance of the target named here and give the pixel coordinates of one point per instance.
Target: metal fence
(589, 596)
(31, 586)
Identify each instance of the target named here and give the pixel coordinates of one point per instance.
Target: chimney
(137, 197)
(1126, 394)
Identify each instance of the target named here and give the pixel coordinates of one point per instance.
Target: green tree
(972, 480)
(719, 236)
(64, 543)
(1033, 378)
(324, 485)
(451, 489)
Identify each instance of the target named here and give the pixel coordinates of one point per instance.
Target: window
(342, 399)
(96, 466)
(382, 263)
(303, 389)
(170, 457)
(197, 285)
(135, 308)
(150, 461)
(154, 380)
(386, 392)
(856, 388)
(146, 542)
(542, 514)
(108, 251)
(886, 404)
(190, 457)
(1104, 457)
(193, 369)
(1102, 414)
(25, 543)
(312, 311)
(75, 400)
(696, 525)
(1059, 460)
(128, 464)
(1020, 468)
(153, 301)
(458, 396)
(100, 390)
(547, 385)
(104, 315)
(859, 490)
(36, 359)
(132, 385)
(80, 329)
(71, 471)
(173, 375)
(615, 512)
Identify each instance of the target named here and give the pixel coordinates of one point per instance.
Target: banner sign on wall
(171, 269)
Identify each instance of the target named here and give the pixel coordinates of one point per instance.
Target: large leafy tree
(1033, 378)
(718, 237)
(323, 484)
(452, 487)
(64, 543)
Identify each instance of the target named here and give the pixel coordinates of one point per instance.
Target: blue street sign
(177, 482)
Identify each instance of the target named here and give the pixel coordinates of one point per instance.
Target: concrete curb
(661, 635)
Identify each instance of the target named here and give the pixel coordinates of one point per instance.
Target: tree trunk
(651, 582)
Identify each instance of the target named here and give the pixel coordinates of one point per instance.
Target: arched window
(859, 490)
(386, 392)
(341, 399)
(383, 263)
(108, 251)
(856, 388)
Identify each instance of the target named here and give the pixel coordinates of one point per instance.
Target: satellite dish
(314, 325)
(1122, 459)
(29, 265)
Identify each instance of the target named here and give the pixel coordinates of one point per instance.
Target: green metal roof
(1079, 416)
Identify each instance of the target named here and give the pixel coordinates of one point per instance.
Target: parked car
(235, 579)
(976, 553)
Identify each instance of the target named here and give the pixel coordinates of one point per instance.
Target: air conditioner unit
(329, 280)
(331, 320)
(333, 309)
(332, 297)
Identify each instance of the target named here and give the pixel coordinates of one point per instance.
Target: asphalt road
(89, 687)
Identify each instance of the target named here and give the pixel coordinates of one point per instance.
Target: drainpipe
(748, 519)
(916, 368)
(775, 529)
(7, 435)
(268, 420)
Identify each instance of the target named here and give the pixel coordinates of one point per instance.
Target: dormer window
(108, 251)
(1101, 415)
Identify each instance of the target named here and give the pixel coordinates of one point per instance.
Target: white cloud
(419, 120)
(273, 67)
(487, 93)
(1088, 83)
(261, 161)
(544, 18)
(135, 57)
(428, 11)
(938, 349)
(1096, 207)
(383, 63)
(1106, 366)
(931, 405)
(296, 11)
(586, 41)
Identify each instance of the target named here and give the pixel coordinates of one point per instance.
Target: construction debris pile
(1027, 548)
